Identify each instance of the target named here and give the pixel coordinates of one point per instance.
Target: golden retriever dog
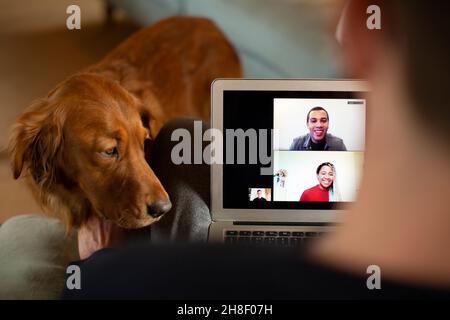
(83, 145)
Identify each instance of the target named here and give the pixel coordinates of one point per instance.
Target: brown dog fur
(82, 146)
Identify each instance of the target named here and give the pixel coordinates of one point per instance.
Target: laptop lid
(298, 144)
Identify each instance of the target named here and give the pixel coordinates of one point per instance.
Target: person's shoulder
(298, 142)
(307, 193)
(312, 188)
(335, 143)
(334, 138)
(302, 278)
(302, 137)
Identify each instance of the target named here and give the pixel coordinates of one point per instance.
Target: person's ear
(360, 45)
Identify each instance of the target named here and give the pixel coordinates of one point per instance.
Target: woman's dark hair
(329, 164)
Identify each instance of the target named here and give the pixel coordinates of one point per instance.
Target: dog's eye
(111, 152)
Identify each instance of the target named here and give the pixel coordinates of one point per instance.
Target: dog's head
(83, 148)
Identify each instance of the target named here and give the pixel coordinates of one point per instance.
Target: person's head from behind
(406, 60)
(407, 66)
(259, 193)
(325, 175)
(317, 121)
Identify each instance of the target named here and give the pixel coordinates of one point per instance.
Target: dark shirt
(259, 199)
(222, 272)
(318, 146)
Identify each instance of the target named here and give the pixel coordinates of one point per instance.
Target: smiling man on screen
(318, 139)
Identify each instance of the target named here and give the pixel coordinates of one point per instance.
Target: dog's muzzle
(158, 208)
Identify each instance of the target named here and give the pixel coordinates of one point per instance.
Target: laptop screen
(292, 149)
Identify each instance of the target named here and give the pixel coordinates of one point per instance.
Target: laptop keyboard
(270, 238)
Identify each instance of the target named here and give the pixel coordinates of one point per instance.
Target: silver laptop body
(282, 221)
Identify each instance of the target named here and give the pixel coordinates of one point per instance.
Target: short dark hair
(316, 109)
(258, 190)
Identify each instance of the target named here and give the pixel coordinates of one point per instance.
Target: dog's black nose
(158, 208)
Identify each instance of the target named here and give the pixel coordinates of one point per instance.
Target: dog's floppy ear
(151, 113)
(147, 104)
(35, 141)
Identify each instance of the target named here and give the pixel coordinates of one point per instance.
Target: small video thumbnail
(260, 194)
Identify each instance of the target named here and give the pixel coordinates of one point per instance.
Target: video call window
(318, 146)
(317, 176)
(319, 124)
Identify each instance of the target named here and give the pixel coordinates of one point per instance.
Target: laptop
(289, 158)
